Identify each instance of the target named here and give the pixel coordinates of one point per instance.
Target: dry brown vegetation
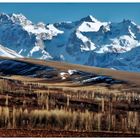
(25, 104)
(52, 108)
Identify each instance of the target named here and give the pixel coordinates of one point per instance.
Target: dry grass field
(55, 107)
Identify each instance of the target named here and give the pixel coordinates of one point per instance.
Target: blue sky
(54, 12)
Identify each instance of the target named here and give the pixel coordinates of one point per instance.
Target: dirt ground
(53, 133)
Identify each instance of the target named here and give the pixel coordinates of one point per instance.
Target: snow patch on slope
(88, 45)
(54, 30)
(90, 26)
(119, 45)
(8, 53)
(35, 30)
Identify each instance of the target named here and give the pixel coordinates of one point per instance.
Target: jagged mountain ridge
(86, 41)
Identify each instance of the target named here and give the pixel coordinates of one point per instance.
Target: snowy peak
(90, 24)
(128, 22)
(27, 25)
(89, 18)
(14, 19)
(20, 18)
(5, 18)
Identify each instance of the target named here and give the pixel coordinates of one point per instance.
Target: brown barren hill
(131, 77)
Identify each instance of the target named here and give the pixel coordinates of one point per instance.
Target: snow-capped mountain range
(86, 41)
